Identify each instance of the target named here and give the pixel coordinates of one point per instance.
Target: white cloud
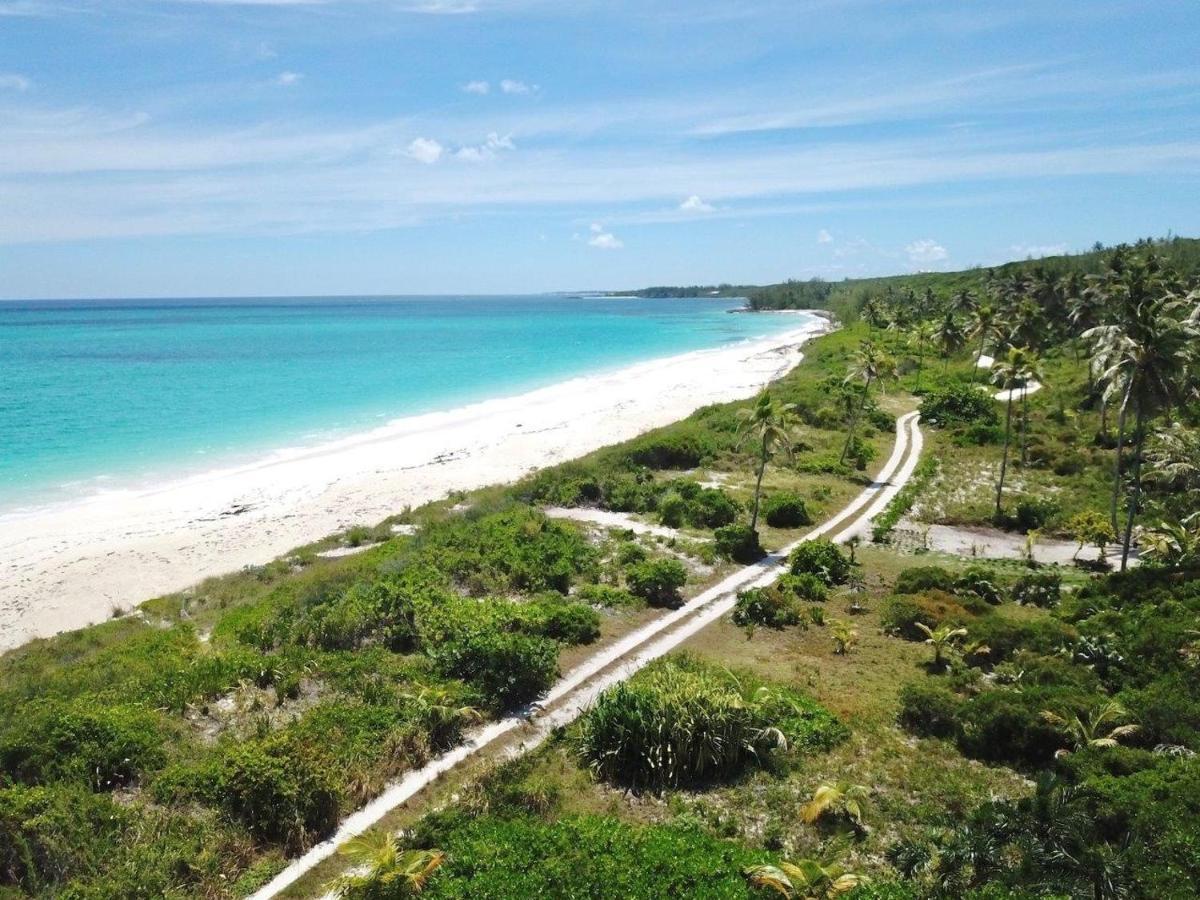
(824, 237)
(509, 86)
(476, 87)
(604, 240)
(489, 149)
(925, 251)
(425, 150)
(443, 7)
(287, 79)
(694, 204)
(14, 82)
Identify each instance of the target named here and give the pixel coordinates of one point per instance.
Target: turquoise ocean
(108, 394)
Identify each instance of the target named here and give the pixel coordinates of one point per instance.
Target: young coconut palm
(844, 635)
(985, 326)
(1096, 729)
(941, 639)
(768, 425)
(383, 870)
(950, 339)
(806, 879)
(922, 337)
(841, 800)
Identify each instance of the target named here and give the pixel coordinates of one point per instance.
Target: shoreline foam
(69, 565)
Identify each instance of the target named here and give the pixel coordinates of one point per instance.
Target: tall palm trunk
(1117, 463)
(1024, 422)
(920, 365)
(1136, 495)
(979, 355)
(1004, 458)
(945, 363)
(762, 467)
(854, 421)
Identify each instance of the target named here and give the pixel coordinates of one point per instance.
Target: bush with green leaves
(678, 447)
(767, 606)
(804, 587)
(102, 746)
(821, 558)
(929, 710)
(1035, 513)
(958, 404)
(1042, 589)
(606, 595)
(657, 581)
(916, 579)
(904, 614)
(738, 543)
(786, 510)
(552, 616)
(683, 722)
(508, 669)
(982, 583)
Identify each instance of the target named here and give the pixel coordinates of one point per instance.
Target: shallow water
(105, 394)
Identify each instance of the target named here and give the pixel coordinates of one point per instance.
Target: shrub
(821, 558)
(606, 595)
(711, 508)
(1005, 726)
(804, 587)
(958, 404)
(672, 510)
(860, 452)
(981, 583)
(657, 581)
(738, 543)
(553, 617)
(928, 710)
(901, 615)
(924, 578)
(675, 449)
(1034, 514)
(682, 722)
(766, 606)
(627, 493)
(508, 669)
(786, 510)
(631, 552)
(1042, 589)
(104, 747)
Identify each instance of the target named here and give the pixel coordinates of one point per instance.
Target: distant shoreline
(69, 565)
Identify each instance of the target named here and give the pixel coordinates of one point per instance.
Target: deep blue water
(97, 394)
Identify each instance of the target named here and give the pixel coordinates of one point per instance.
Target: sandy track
(579, 688)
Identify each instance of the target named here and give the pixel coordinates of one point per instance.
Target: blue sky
(248, 147)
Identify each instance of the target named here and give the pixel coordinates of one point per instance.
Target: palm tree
(963, 302)
(950, 338)
(870, 364)
(806, 879)
(872, 312)
(941, 639)
(768, 424)
(985, 325)
(921, 336)
(1032, 372)
(1098, 728)
(1008, 376)
(1147, 358)
(844, 636)
(383, 870)
(840, 800)
(1174, 543)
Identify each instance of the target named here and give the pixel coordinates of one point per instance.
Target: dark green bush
(901, 614)
(821, 558)
(1034, 513)
(738, 543)
(981, 583)
(102, 746)
(923, 578)
(767, 606)
(1005, 726)
(786, 510)
(606, 595)
(953, 405)
(804, 587)
(657, 581)
(554, 617)
(508, 669)
(678, 448)
(672, 510)
(1042, 589)
(929, 710)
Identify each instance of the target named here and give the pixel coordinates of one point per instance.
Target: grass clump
(683, 722)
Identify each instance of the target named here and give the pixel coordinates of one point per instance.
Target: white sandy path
(580, 687)
(66, 567)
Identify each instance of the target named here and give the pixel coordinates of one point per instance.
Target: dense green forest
(879, 722)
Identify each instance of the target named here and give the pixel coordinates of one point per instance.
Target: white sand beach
(70, 565)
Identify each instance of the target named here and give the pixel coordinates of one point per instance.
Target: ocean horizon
(115, 394)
